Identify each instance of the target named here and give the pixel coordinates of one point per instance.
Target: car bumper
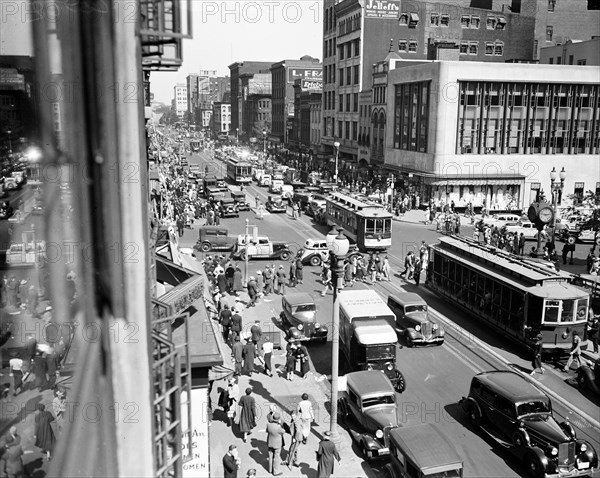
(229, 214)
(314, 336)
(594, 473)
(428, 341)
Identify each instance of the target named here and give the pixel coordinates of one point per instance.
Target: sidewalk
(285, 395)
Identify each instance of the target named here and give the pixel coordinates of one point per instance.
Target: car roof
(418, 442)
(298, 298)
(511, 385)
(369, 382)
(311, 242)
(407, 298)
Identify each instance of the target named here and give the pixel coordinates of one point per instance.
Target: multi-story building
(356, 35)
(491, 133)
(255, 104)
(282, 100)
(572, 53)
(315, 104)
(191, 82)
(306, 94)
(238, 69)
(180, 99)
(221, 118)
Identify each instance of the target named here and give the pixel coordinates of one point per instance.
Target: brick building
(572, 53)
(221, 118)
(255, 104)
(306, 93)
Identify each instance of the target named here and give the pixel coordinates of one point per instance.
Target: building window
(551, 60)
(549, 32)
(348, 106)
(489, 48)
(403, 19)
(578, 193)
(348, 76)
(558, 60)
(341, 77)
(411, 115)
(491, 23)
(444, 20)
(349, 50)
(341, 51)
(499, 48)
(341, 102)
(356, 79)
(473, 48)
(347, 130)
(551, 5)
(581, 62)
(475, 21)
(570, 59)
(355, 102)
(340, 129)
(354, 130)
(357, 47)
(403, 45)
(434, 20)
(412, 46)
(465, 21)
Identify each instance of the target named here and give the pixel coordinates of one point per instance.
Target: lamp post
(555, 188)
(246, 241)
(9, 132)
(237, 135)
(264, 142)
(337, 154)
(338, 246)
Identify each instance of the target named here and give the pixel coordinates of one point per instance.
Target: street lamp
(337, 153)
(555, 188)
(264, 142)
(9, 132)
(338, 246)
(237, 135)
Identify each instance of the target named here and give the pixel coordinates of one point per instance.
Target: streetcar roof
(363, 303)
(558, 291)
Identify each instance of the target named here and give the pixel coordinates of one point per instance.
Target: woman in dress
(247, 414)
(302, 356)
(290, 362)
(44, 436)
(233, 390)
(238, 285)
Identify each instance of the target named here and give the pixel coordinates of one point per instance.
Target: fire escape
(163, 26)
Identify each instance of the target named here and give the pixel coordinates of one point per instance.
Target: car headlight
(390, 366)
(554, 451)
(317, 325)
(582, 447)
(379, 434)
(417, 328)
(300, 326)
(434, 326)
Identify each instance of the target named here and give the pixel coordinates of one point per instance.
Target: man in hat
(536, 363)
(252, 291)
(268, 275)
(238, 355)
(575, 353)
(256, 332)
(231, 462)
(236, 322)
(281, 278)
(297, 438)
(275, 443)
(325, 454)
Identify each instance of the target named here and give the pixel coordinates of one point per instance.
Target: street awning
(479, 182)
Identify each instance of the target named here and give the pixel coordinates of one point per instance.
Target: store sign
(305, 73)
(196, 464)
(311, 85)
(382, 8)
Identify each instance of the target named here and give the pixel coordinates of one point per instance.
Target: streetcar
(516, 297)
(365, 222)
(195, 146)
(239, 171)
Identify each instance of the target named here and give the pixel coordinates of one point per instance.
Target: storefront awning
(479, 182)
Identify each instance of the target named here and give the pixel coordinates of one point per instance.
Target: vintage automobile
(315, 252)
(299, 317)
(501, 219)
(530, 232)
(265, 180)
(367, 407)
(261, 247)
(518, 416)
(413, 320)
(588, 378)
(240, 199)
(422, 451)
(229, 208)
(6, 210)
(276, 204)
(316, 205)
(276, 186)
(24, 254)
(214, 238)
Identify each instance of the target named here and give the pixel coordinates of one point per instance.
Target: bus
(516, 297)
(365, 222)
(195, 146)
(239, 171)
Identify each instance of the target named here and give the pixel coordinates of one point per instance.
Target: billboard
(311, 85)
(307, 73)
(382, 8)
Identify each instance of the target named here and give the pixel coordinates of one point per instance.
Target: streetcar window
(388, 225)
(567, 311)
(370, 226)
(552, 311)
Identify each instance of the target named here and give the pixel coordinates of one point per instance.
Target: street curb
(595, 423)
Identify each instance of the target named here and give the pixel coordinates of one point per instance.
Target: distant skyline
(224, 32)
(231, 31)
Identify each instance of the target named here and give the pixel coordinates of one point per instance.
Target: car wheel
(205, 247)
(315, 261)
(409, 341)
(535, 469)
(519, 439)
(400, 384)
(474, 415)
(243, 255)
(285, 255)
(342, 412)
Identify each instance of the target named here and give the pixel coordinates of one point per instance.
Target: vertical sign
(198, 466)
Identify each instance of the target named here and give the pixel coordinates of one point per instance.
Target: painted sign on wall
(307, 73)
(382, 8)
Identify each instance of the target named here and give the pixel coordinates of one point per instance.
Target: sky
(224, 32)
(229, 31)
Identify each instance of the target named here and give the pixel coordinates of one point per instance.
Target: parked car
(229, 208)
(214, 238)
(299, 318)
(315, 252)
(6, 210)
(413, 320)
(502, 219)
(423, 451)
(276, 204)
(367, 407)
(588, 378)
(518, 416)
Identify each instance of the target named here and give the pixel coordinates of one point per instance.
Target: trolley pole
(246, 240)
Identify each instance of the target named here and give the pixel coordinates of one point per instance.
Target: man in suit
(238, 355)
(275, 434)
(325, 454)
(231, 462)
(236, 323)
(297, 438)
